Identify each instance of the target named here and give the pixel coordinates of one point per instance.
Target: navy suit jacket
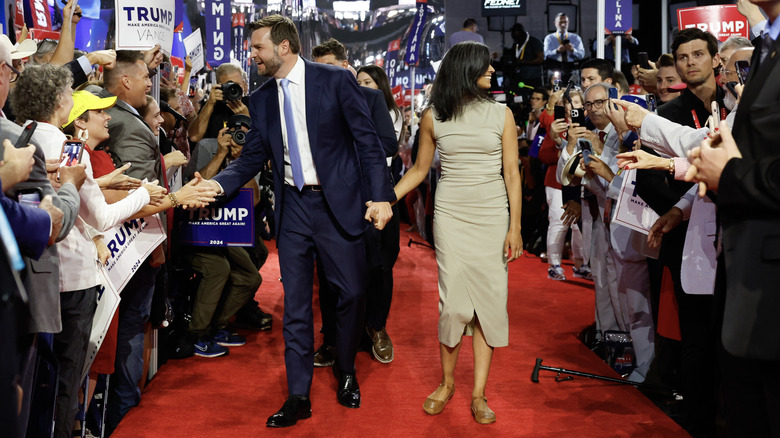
(30, 226)
(344, 144)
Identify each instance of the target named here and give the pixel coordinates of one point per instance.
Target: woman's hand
(641, 160)
(513, 245)
(103, 253)
(597, 167)
(175, 158)
(156, 193)
(196, 195)
(557, 127)
(117, 180)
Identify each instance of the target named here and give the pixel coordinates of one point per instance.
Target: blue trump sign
(618, 16)
(416, 34)
(228, 224)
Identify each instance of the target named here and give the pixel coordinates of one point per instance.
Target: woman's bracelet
(174, 202)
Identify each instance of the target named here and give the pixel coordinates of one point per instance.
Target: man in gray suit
(41, 275)
(131, 141)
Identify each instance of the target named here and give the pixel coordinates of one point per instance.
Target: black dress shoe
(348, 392)
(297, 407)
(325, 356)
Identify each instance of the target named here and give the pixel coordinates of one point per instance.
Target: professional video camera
(234, 124)
(231, 91)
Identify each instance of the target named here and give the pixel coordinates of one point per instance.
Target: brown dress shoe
(482, 413)
(434, 407)
(382, 346)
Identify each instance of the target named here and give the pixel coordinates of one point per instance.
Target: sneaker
(209, 348)
(555, 272)
(229, 339)
(325, 356)
(583, 272)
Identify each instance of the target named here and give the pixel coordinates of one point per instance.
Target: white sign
(140, 24)
(193, 45)
(630, 210)
(130, 244)
(174, 178)
(108, 302)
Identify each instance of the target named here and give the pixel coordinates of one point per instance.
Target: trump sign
(722, 21)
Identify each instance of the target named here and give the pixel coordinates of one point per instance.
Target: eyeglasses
(14, 72)
(598, 104)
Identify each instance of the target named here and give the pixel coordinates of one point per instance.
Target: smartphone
(651, 103)
(556, 85)
(743, 68)
(165, 70)
(30, 196)
(71, 153)
(560, 112)
(714, 126)
(731, 86)
(27, 133)
(578, 116)
(193, 86)
(613, 93)
(586, 155)
(644, 62)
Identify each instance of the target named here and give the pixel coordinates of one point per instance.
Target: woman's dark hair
(456, 82)
(380, 78)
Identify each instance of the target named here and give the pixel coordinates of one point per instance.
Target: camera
(234, 124)
(566, 41)
(231, 91)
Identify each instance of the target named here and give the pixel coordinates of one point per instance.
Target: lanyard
(522, 49)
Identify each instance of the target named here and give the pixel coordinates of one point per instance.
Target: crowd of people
(328, 156)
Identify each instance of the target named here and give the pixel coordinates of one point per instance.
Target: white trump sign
(193, 44)
(140, 24)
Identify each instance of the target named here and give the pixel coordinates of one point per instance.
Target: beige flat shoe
(434, 407)
(481, 412)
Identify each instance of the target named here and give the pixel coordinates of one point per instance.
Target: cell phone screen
(31, 198)
(743, 68)
(71, 153)
(644, 62)
(560, 112)
(651, 105)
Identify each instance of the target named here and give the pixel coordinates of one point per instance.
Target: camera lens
(232, 91)
(239, 136)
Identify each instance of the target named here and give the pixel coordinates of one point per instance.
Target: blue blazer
(344, 144)
(30, 226)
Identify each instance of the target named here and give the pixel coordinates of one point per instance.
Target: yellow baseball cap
(84, 101)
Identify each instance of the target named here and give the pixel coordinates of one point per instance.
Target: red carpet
(233, 396)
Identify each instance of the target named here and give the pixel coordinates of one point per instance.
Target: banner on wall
(140, 24)
(618, 16)
(416, 33)
(193, 45)
(239, 41)
(217, 16)
(722, 21)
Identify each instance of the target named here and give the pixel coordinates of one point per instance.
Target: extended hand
(174, 158)
(106, 58)
(709, 159)
(197, 193)
(379, 213)
(156, 193)
(634, 114)
(75, 175)
(117, 180)
(153, 57)
(16, 164)
(56, 217)
(641, 160)
(663, 225)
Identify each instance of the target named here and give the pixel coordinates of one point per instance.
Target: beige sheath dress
(471, 221)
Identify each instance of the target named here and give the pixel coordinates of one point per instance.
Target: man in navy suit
(312, 122)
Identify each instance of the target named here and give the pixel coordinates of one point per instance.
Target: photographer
(225, 100)
(217, 265)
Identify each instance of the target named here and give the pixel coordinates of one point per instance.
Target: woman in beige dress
(477, 214)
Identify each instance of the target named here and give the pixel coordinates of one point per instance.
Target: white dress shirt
(77, 252)
(297, 88)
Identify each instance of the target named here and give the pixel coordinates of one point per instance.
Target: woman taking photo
(476, 218)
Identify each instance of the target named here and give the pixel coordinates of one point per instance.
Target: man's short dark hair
(665, 60)
(125, 60)
(543, 92)
(604, 67)
(692, 34)
(620, 81)
(330, 47)
(282, 28)
(469, 22)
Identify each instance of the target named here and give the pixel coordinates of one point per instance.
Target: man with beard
(312, 122)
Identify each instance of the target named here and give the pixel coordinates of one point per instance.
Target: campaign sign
(130, 244)
(228, 224)
(630, 210)
(140, 24)
(107, 303)
(239, 48)
(391, 59)
(416, 33)
(618, 16)
(217, 15)
(193, 45)
(722, 21)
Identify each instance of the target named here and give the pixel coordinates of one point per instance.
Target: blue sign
(228, 224)
(217, 15)
(618, 16)
(416, 33)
